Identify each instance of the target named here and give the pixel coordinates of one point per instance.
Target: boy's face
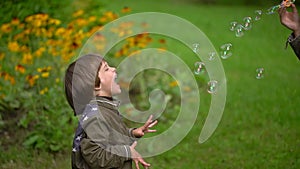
(108, 84)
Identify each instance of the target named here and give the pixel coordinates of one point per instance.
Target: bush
(36, 49)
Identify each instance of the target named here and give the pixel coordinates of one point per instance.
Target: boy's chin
(116, 91)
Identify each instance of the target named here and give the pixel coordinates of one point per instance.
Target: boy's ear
(98, 88)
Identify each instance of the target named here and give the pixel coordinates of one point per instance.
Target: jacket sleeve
(96, 150)
(295, 44)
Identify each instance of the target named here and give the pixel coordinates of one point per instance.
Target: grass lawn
(260, 125)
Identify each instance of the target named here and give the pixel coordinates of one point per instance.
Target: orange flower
(173, 84)
(21, 26)
(29, 18)
(162, 41)
(78, 13)
(103, 19)
(44, 69)
(13, 46)
(60, 31)
(43, 91)
(42, 16)
(15, 21)
(81, 22)
(54, 21)
(6, 28)
(27, 58)
(24, 49)
(92, 19)
(45, 75)
(20, 68)
(40, 51)
(125, 9)
(8, 77)
(31, 79)
(2, 55)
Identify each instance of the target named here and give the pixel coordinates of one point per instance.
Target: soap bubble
(212, 55)
(239, 30)
(284, 3)
(199, 68)
(212, 86)
(258, 14)
(195, 47)
(247, 23)
(233, 25)
(260, 73)
(226, 51)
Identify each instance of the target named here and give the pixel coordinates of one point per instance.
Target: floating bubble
(258, 14)
(284, 3)
(273, 9)
(233, 25)
(260, 73)
(239, 30)
(212, 86)
(196, 47)
(247, 23)
(199, 68)
(212, 55)
(226, 51)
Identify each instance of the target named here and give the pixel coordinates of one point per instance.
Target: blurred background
(260, 125)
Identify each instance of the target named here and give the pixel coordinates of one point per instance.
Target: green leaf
(24, 121)
(55, 147)
(31, 140)
(14, 104)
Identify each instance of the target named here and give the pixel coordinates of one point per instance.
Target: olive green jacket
(105, 140)
(295, 44)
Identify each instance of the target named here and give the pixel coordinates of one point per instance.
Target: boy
(101, 140)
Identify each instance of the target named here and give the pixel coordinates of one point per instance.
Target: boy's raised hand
(141, 131)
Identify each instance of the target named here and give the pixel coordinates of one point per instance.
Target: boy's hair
(80, 80)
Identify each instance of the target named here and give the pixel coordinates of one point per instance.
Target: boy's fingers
(137, 164)
(151, 131)
(134, 144)
(144, 163)
(153, 123)
(150, 118)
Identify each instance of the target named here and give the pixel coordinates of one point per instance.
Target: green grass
(260, 126)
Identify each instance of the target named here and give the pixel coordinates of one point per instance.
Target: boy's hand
(141, 131)
(137, 158)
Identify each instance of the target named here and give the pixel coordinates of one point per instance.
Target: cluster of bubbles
(284, 3)
(246, 25)
(226, 49)
(199, 67)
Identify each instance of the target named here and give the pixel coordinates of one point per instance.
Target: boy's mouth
(116, 79)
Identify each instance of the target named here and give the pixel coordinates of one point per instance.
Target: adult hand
(290, 19)
(137, 158)
(140, 132)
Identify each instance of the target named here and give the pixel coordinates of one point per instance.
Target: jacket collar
(108, 103)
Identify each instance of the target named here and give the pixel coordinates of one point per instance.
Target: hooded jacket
(102, 139)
